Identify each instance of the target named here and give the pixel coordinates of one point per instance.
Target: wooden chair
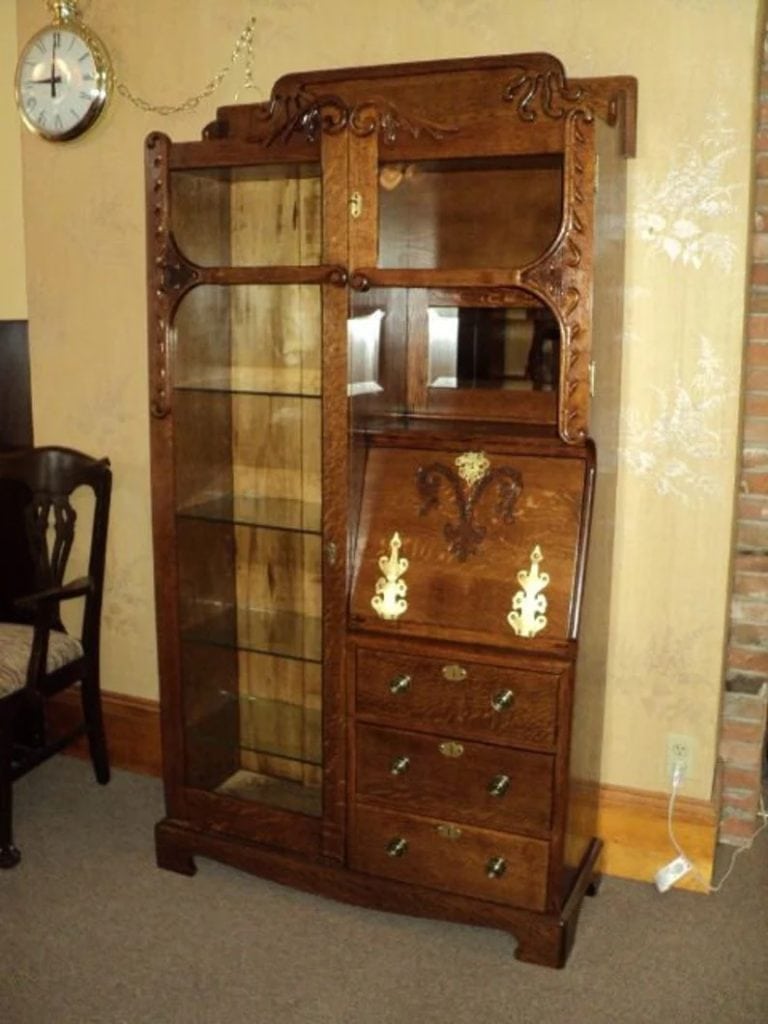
(38, 657)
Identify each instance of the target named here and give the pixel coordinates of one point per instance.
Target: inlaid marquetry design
(389, 599)
(305, 113)
(529, 604)
(467, 483)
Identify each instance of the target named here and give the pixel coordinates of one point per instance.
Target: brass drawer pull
(499, 785)
(495, 867)
(400, 683)
(451, 749)
(454, 673)
(396, 847)
(400, 765)
(503, 700)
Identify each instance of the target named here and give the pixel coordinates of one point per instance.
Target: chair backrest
(37, 524)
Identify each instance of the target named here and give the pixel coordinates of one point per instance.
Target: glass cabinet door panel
(252, 459)
(256, 216)
(252, 726)
(257, 338)
(469, 213)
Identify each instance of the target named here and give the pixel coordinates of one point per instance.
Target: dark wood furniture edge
(544, 939)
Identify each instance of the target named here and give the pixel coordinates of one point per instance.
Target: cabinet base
(543, 938)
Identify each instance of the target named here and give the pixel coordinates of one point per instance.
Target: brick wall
(743, 734)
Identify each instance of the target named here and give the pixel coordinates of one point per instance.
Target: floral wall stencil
(676, 438)
(681, 214)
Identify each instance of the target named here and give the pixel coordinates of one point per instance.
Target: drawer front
(446, 856)
(476, 783)
(484, 701)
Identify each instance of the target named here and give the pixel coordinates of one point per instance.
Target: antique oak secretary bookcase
(384, 330)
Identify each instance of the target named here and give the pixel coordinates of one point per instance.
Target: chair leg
(9, 855)
(94, 722)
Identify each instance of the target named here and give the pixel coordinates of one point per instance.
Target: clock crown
(64, 10)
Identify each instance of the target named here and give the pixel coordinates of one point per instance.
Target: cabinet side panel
(589, 697)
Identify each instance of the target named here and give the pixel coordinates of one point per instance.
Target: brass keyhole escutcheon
(450, 748)
(355, 205)
(454, 673)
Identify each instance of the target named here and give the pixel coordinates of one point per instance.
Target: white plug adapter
(671, 873)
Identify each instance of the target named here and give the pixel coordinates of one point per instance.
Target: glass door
(248, 424)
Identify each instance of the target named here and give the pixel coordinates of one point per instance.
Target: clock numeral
(88, 77)
(57, 38)
(30, 103)
(41, 118)
(74, 113)
(85, 56)
(58, 124)
(85, 96)
(41, 46)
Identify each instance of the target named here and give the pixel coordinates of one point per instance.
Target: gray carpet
(94, 933)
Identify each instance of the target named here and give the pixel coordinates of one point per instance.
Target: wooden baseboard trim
(132, 725)
(632, 823)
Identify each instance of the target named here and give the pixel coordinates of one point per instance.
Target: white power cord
(677, 779)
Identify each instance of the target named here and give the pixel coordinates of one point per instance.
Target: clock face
(62, 82)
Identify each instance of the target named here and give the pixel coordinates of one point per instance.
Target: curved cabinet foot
(9, 857)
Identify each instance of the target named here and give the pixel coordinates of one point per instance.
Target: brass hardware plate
(355, 205)
(527, 617)
(450, 748)
(389, 600)
(448, 831)
(454, 673)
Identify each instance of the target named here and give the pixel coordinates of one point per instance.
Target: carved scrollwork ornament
(541, 93)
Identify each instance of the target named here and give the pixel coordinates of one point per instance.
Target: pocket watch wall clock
(63, 77)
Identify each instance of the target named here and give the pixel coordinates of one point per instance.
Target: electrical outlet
(679, 756)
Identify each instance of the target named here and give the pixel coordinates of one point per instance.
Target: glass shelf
(283, 793)
(277, 728)
(278, 513)
(284, 633)
(297, 382)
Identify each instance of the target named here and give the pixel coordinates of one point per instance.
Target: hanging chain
(244, 45)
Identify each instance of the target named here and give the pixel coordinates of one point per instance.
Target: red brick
(744, 706)
(761, 194)
(746, 801)
(753, 483)
(760, 239)
(751, 584)
(757, 325)
(755, 458)
(739, 778)
(753, 507)
(743, 754)
(761, 139)
(748, 659)
(737, 830)
(758, 300)
(756, 379)
(756, 430)
(761, 165)
(756, 404)
(745, 733)
(748, 635)
(752, 536)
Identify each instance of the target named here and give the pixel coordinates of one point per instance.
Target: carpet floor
(94, 933)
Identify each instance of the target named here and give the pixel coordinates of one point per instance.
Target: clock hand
(53, 68)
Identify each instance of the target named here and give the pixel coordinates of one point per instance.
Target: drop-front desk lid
(476, 546)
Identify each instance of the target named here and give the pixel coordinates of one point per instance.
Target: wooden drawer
(454, 858)
(490, 786)
(491, 702)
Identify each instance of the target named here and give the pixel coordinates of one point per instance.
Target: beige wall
(687, 237)
(13, 294)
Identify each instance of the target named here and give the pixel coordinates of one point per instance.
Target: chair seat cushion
(15, 648)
